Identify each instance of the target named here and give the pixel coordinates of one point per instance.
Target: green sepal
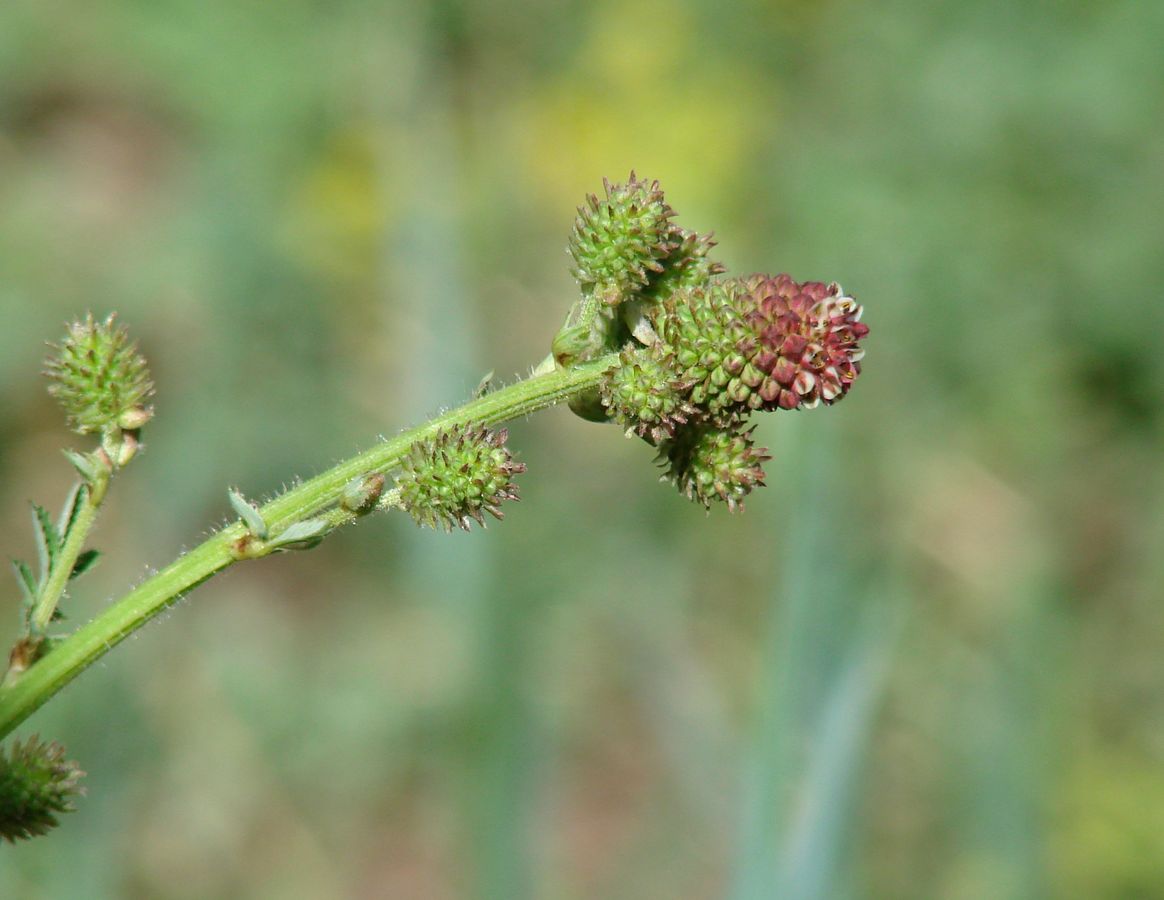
(249, 514)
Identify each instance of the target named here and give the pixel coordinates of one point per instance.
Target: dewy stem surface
(89, 643)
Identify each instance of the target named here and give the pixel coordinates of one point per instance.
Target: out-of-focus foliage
(926, 663)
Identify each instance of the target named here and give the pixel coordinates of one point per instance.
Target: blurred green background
(927, 662)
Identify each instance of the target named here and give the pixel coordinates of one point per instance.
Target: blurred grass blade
(826, 652)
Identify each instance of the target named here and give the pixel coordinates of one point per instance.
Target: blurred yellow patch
(652, 98)
(338, 210)
(1110, 842)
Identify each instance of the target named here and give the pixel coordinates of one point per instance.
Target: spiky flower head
(762, 343)
(701, 330)
(805, 349)
(99, 378)
(37, 783)
(710, 464)
(619, 243)
(688, 265)
(456, 476)
(640, 394)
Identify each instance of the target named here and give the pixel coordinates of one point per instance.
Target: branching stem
(88, 644)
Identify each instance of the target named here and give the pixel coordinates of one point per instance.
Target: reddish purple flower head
(802, 348)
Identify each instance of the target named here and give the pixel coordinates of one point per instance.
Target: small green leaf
(48, 539)
(77, 496)
(249, 514)
(484, 386)
(26, 580)
(85, 561)
(302, 535)
(84, 465)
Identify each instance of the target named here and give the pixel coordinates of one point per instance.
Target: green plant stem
(88, 644)
(58, 579)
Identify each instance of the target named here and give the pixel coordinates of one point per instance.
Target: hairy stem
(54, 588)
(72, 656)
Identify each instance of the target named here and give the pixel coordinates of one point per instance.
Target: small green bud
(99, 378)
(362, 493)
(37, 783)
(619, 243)
(708, 464)
(120, 446)
(456, 476)
(134, 418)
(641, 395)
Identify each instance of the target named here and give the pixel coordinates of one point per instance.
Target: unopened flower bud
(99, 378)
(456, 476)
(37, 783)
(619, 243)
(361, 493)
(134, 418)
(710, 464)
(640, 394)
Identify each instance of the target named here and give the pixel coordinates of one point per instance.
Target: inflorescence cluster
(699, 352)
(661, 342)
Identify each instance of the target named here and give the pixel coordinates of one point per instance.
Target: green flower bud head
(619, 243)
(99, 378)
(710, 464)
(455, 477)
(37, 783)
(641, 396)
(700, 331)
(688, 265)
